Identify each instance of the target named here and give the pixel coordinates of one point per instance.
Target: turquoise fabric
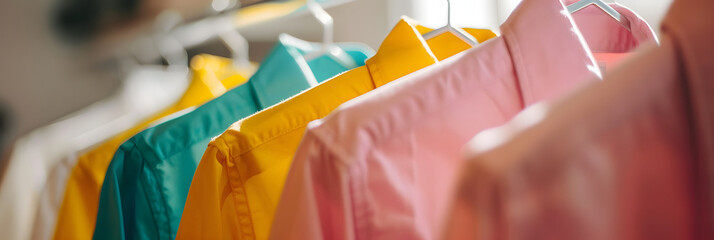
(147, 182)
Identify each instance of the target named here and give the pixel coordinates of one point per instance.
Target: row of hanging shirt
(42, 162)
(387, 163)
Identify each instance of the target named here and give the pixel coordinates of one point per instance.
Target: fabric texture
(379, 167)
(239, 180)
(147, 181)
(78, 210)
(627, 158)
(611, 41)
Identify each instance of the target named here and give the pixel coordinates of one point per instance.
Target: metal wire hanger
(460, 33)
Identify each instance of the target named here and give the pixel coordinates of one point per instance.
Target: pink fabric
(379, 167)
(627, 158)
(608, 39)
(604, 34)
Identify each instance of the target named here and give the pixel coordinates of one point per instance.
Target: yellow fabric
(239, 180)
(212, 76)
(266, 11)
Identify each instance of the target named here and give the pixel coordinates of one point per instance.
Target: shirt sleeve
(202, 217)
(127, 208)
(315, 200)
(110, 214)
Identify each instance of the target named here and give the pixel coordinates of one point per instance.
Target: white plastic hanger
(238, 46)
(126, 63)
(146, 88)
(168, 46)
(460, 33)
(328, 47)
(231, 38)
(577, 6)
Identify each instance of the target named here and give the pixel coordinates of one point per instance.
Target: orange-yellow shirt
(238, 182)
(212, 76)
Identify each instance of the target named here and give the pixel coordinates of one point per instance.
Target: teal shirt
(147, 182)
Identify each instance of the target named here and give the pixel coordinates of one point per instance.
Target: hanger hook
(236, 43)
(448, 13)
(325, 20)
(125, 63)
(168, 46)
(460, 33)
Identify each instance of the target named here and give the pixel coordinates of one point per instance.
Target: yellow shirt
(238, 182)
(212, 76)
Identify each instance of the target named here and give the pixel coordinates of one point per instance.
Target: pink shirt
(379, 167)
(631, 157)
(609, 40)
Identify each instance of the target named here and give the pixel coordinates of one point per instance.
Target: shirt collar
(211, 77)
(405, 44)
(286, 65)
(604, 34)
(402, 44)
(283, 63)
(539, 28)
(403, 52)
